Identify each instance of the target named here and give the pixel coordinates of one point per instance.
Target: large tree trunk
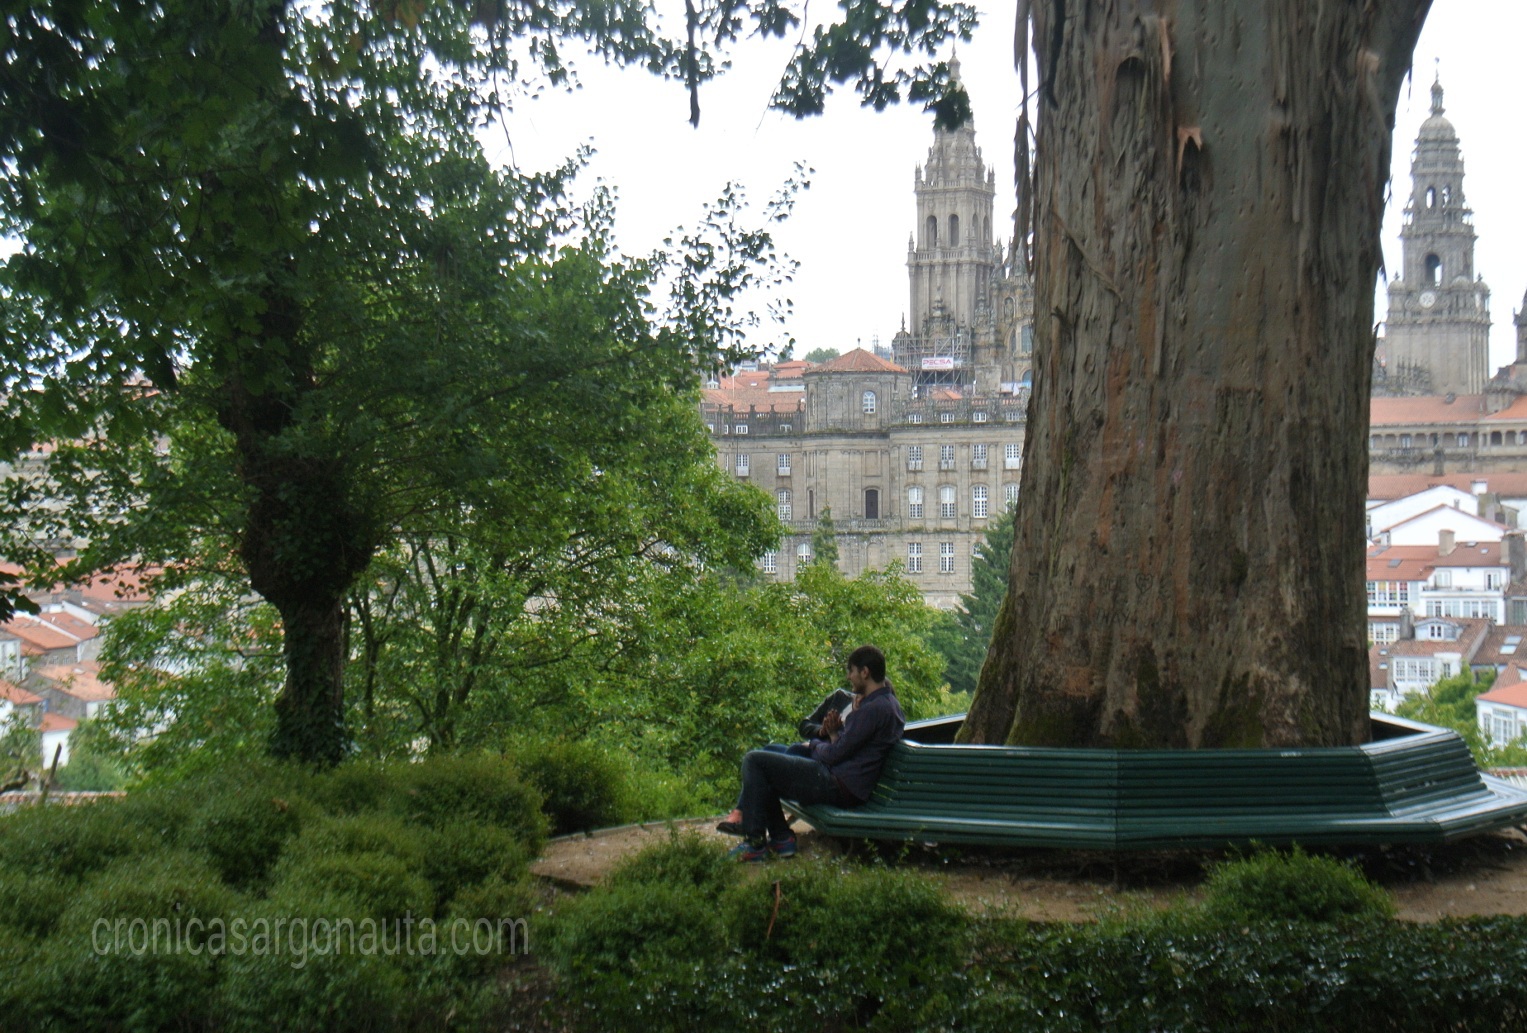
(304, 539)
(1188, 569)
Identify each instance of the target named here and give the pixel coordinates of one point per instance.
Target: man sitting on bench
(839, 770)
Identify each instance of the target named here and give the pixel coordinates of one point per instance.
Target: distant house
(1449, 578)
(56, 729)
(16, 701)
(1502, 712)
(1441, 648)
(73, 690)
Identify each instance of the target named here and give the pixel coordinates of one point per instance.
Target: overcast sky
(850, 230)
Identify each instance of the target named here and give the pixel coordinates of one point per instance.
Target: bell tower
(1437, 335)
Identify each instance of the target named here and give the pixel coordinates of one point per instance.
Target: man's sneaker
(749, 852)
(731, 825)
(783, 847)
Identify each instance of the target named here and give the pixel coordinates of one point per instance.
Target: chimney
(1444, 543)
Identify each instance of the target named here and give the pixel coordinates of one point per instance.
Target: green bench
(1413, 783)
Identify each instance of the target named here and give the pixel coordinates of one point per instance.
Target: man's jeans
(766, 777)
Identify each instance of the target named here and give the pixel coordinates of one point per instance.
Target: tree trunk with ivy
(1208, 194)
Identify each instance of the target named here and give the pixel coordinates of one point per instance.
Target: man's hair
(870, 658)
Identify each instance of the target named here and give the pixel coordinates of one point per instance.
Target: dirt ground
(1482, 875)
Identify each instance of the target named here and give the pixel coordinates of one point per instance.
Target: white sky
(850, 230)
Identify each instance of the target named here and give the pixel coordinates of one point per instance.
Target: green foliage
(1271, 886)
(20, 748)
(824, 540)
(676, 937)
(131, 950)
(306, 891)
(95, 765)
(964, 635)
(821, 355)
(1450, 704)
(579, 783)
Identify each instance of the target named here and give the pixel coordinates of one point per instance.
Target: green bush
(685, 859)
(378, 885)
(242, 829)
(69, 842)
(462, 854)
(335, 968)
(356, 834)
(1271, 886)
(30, 904)
(477, 787)
(134, 950)
(581, 785)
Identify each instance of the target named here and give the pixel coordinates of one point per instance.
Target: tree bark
(1188, 568)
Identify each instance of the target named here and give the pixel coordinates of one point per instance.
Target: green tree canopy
(964, 635)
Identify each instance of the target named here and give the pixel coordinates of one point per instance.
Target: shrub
(30, 904)
(373, 885)
(685, 859)
(1291, 887)
(462, 854)
(642, 955)
(242, 829)
(580, 784)
(338, 969)
(355, 834)
(477, 787)
(134, 950)
(69, 842)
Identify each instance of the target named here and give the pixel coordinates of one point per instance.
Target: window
(867, 401)
(1388, 593)
(872, 503)
(784, 428)
(978, 417)
(1434, 270)
(783, 498)
(946, 557)
(1010, 493)
(803, 554)
(1012, 456)
(930, 238)
(946, 457)
(742, 464)
(914, 503)
(978, 501)
(946, 500)
(741, 428)
(914, 457)
(1493, 580)
(1026, 341)
(954, 231)
(1463, 441)
(783, 464)
(1383, 634)
(978, 457)
(1443, 579)
(1404, 440)
(946, 417)
(1502, 728)
(914, 557)
(915, 417)
(771, 562)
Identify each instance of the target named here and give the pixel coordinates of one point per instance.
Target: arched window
(954, 231)
(872, 503)
(1431, 197)
(782, 498)
(1495, 438)
(1463, 441)
(1447, 196)
(978, 501)
(986, 230)
(868, 402)
(1010, 493)
(803, 554)
(914, 503)
(1433, 270)
(946, 501)
(932, 234)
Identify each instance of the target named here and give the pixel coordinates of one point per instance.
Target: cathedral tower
(951, 255)
(1437, 336)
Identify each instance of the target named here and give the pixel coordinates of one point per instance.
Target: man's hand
(832, 723)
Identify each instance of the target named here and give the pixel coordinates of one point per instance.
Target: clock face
(1428, 299)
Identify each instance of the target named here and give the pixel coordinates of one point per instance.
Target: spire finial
(1437, 90)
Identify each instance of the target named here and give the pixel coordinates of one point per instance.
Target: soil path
(1483, 875)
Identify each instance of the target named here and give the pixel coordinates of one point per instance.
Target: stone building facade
(916, 450)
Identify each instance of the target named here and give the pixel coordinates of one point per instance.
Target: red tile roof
(856, 361)
(81, 680)
(1401, 412)
(743, 400)
(1415, 562)
(1471, 635)
(1389, 486)
(57, 723)
(1517, 410)
(16, 695)
(1513, 695)
(40, 635)
(1497, 648)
